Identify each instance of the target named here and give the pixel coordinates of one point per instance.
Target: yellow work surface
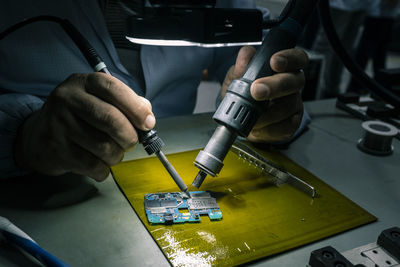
(259, 219)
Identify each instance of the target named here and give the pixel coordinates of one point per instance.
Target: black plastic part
(389, 239)
(328, 257)
(150, 140)
(349, 98)
(380, 110)
(279, 38)
(268, 24)
(276, 40)
(84, 46)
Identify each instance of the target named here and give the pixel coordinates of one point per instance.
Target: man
(54, 122)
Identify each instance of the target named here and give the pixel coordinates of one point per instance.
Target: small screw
(395, 234)
(327, 254)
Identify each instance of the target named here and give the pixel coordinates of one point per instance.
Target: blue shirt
(38, 57)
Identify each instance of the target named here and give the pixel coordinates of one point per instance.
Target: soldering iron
(151, 141)
(238, 111)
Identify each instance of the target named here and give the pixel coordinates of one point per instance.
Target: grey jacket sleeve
(14, 109)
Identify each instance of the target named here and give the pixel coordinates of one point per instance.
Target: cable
(348, 61)
(84, 46)
(267, 24)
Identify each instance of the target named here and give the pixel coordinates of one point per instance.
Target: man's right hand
(84, 127)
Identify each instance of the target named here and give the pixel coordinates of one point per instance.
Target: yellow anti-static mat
(259, 219)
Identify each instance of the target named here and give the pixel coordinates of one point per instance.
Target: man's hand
(84, 127)
(285, 110)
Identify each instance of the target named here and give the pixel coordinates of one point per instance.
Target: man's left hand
(284, 112)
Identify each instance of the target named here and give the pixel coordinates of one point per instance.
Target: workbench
(104, 230)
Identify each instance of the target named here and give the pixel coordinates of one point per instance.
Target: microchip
(202, 203)
(175, 207)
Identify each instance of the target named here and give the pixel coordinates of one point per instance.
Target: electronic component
(175, 207)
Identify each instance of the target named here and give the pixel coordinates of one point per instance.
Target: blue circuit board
(175, 207)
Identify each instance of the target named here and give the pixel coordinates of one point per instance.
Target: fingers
(85, 163)
(136, 108)
(279, 131)
(288, 60)
(84, 127)
(245, 54)
(279, 110)
(96, 142)
(287, 81)
(283, 116)
(99, 113)
(277, 85)
(102, 116)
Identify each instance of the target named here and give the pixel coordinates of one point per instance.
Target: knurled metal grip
(150, 140)
(238, 110)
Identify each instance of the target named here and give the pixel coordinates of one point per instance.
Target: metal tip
(187, 194)
(199, 179)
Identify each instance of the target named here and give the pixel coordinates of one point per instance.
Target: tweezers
(279, 174)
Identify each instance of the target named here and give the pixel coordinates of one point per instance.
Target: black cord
(357, 72)
(267, 24)
(84, 46)
(28, 21)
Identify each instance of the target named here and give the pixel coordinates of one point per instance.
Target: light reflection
(155, 230)
(163, 42)
(210, 238)
(180, 256)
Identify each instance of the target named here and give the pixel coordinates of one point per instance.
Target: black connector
(150, 140)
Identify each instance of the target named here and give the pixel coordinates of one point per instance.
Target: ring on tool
(378, 138)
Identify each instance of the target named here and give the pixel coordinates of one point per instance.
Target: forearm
(14, 109)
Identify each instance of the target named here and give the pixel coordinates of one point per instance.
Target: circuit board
(259, 218)
(170, 208)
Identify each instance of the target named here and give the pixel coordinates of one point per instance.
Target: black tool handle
(284, 36)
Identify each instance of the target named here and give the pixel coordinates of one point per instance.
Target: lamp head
(194, 23)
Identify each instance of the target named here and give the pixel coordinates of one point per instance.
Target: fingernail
(260, 91)
(149, 122)
(281, 62)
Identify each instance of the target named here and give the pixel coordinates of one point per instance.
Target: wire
(267, 24)
(357, 72)
(84, 46)
(28, 21)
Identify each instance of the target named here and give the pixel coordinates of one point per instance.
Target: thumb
(244, 56)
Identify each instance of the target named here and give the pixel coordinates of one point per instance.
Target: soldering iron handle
(284, 36)
(150, 140)
(276, 40)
